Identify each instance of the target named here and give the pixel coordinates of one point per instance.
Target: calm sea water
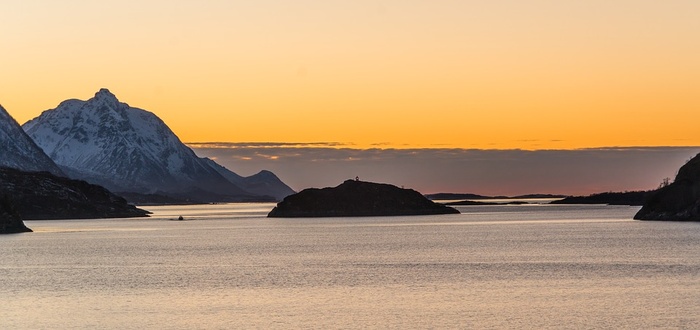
(229, 267)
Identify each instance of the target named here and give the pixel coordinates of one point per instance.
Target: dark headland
(10, 221)
(42, 195)
(354, 198)
(678, 201)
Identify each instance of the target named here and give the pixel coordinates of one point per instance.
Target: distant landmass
(465, 196)
(679, 200)
(355, 198)
(476, 203)
(132, 151)
(633, 198)
(263, 183)
(42, 195)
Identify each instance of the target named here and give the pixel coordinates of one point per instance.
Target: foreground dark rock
(10, 221)
(42, 195)
(357, 199)
(680, 200)
(633, 198)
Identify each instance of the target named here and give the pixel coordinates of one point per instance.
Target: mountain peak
(129, 149)
(106, 95)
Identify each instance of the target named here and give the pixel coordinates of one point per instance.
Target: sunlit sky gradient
(464, 74)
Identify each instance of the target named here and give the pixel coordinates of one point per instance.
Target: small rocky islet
(355, 198)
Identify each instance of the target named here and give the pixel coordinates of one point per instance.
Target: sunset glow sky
(541, 74)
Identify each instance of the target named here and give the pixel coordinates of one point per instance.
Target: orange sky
(465, 74)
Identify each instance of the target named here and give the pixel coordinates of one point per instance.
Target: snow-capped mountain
(127, 149)
(17, 150)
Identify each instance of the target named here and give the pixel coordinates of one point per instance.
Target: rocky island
(10, 221)
(678, 201)
(354, 198)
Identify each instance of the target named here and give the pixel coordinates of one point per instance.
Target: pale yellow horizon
(401, 74)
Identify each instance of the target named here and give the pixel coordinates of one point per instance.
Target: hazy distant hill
(127, 149)
(262, 183)
(634, 198)
(17, 150)
(460, 196)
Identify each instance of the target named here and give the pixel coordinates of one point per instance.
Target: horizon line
(389, 146)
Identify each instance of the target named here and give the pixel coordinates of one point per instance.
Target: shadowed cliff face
(357, 198)
(10, 221)
(679, 201)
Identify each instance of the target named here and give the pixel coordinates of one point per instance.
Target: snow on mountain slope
(126, 149)
(17, 150)
(262, 183)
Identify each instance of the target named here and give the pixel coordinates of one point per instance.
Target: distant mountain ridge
(632, 198)
(128, 149)
(264, 183)
(19, 150)
(455, 196)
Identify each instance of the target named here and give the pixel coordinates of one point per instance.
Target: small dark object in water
(180, 218)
